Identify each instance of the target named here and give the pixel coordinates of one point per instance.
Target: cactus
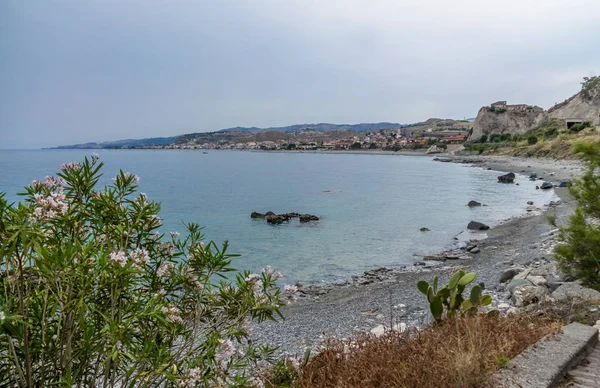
(450, 296)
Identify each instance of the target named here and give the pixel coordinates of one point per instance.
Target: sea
(371, 207)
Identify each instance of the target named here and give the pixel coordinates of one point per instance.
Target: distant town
(440, 133)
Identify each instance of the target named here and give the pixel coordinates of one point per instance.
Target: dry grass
(462, 352)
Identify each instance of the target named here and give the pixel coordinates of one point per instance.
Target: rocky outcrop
(500, 118)
(508, 120)
(584, 105)
(277, 219)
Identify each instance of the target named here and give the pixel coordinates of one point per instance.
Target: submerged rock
(308, 218)
(507, 178)
(474, 225)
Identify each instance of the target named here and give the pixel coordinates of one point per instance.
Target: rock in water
(473, 204)
(308, 218)
(275, 219)
(546, 186)
(533, 176)
(474, 225)
(507, 178)
(424, 229)
(257, 215)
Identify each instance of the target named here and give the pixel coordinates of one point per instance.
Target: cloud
(92, 71)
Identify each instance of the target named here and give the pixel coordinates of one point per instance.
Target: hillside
(299, 132)
(503, 118)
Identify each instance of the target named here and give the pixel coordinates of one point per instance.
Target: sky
(80, 71)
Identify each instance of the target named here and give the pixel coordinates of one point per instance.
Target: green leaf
(422, 285)
(436, 308)
(486, 300)
(475, 295)
(466, 279)
(455, 278)
(430, 295)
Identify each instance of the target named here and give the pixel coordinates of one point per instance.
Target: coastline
(383, 296)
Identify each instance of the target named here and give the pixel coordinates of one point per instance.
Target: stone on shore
(509, 274)
(474, 225)
(524, 295)
(575, 293)
(507, 178)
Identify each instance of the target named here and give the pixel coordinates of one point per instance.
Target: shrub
(580, 127)
(531, 140)
(579, 253)
(93, 295)
(483, 139)
(450, 296)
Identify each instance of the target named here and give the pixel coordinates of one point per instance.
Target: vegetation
(588, 86)
(458, 352)
(579, 254)
(93, 295)
(581, 126)
(531, 140)
(450, 296)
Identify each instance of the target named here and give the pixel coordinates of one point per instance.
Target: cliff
(503, 118)
(500, 117)
(585, 105)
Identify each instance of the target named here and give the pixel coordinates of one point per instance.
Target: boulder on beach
(546, 186)
(473, 204)
(474, 225)
(565, 183)
(506, 178)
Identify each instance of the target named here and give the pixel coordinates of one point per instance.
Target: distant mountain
(127, 143)
(223, 134)
(320, 127)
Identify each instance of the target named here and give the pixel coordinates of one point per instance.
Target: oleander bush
(93, 294)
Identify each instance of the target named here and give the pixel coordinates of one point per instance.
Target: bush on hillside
(579, 253)
(94, 295)
(531, 140)
(580, 127)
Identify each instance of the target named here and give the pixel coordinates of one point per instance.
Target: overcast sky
(79, 71)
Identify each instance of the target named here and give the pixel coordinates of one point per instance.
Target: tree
(579, 253)
(93, 294)
(356, 146)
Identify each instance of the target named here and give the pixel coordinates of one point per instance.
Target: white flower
(118, 257)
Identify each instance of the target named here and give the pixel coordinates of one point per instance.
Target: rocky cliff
(506, 120)
(585, 105)
(518, 119)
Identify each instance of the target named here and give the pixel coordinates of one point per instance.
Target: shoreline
(382, 296)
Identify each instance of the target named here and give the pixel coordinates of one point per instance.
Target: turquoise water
(369, 218)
